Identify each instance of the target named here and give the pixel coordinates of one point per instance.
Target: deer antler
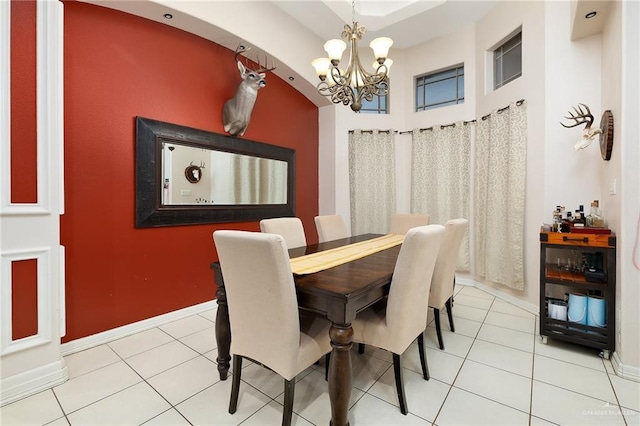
(266, 64)
(581, 117)
(241, 49)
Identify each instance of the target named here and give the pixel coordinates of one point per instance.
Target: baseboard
(625, 371)
(136, 327)
(31, 382)
(529, 307)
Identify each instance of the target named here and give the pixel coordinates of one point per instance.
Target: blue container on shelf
(577, 308)
(596, 311)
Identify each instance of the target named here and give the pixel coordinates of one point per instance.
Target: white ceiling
(407, 22)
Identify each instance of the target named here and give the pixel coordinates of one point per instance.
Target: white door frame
(32, 230)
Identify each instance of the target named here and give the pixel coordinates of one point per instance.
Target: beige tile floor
(493, 371)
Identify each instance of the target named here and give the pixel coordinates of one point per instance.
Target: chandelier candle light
(350, 86)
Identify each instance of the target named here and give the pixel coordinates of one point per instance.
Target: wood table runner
(326, 259)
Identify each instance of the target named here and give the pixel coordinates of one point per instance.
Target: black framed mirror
(188, 176)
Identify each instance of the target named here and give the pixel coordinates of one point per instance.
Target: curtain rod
(518, 103)
(443, 126)
(379, 131)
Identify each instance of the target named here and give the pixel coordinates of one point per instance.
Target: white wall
(572, 76)
(444, 52)
(620, 94)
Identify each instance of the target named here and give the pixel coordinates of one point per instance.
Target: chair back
(406, 312)
(261, 297)
(331, 227)
(401, 223)
(290, 228)
(444, 272)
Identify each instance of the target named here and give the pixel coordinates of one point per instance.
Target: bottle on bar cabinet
(595, 219)
(578, 221)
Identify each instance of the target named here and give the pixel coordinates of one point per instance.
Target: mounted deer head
(582, 117)
(236, 112)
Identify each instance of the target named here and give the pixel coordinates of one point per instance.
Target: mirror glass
(193, 175)
(190, 176)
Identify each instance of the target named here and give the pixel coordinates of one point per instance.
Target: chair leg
(327, 361)
(235, 384)
(453, 289)
(397, 371)
(449, 305)
(360, 348)
(423, 357)
(436, 314)
(287, 412)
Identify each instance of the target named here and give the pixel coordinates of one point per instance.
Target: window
(440, 89)
(378, 105)
(507, 61)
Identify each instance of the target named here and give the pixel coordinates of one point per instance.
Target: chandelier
(353, 84)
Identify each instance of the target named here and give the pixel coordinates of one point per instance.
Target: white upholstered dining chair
(263, 311)
(290, 228)
(402, 222)
(331, 227)
(443, 281)
(395, 327)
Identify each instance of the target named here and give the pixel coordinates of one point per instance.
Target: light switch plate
(613, 186)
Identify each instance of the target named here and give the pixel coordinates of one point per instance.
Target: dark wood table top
(342, 291)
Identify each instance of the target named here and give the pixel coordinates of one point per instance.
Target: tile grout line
(143, 380)
(64, 414)
(461, 365)
(482, 340)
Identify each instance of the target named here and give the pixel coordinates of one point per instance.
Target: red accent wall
(117, 67)
(24, 186)
(24, 298)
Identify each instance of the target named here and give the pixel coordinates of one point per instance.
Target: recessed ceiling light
(591, 14)
(168, 16)
(291, 78)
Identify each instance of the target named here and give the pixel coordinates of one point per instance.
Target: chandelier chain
(353, 11)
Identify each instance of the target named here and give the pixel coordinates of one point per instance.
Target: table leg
(340, 373)
(223, 329)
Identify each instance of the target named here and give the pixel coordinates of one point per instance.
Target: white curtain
(440, 176)
(258, 180)
(372, 180)
(499, 196)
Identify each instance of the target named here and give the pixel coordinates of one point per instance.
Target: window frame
(499, 52)
(421, 83)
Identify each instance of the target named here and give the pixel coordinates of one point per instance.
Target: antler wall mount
(194, 173)
(605, 131)
(606, 137)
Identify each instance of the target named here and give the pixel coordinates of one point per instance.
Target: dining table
(338, 293)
